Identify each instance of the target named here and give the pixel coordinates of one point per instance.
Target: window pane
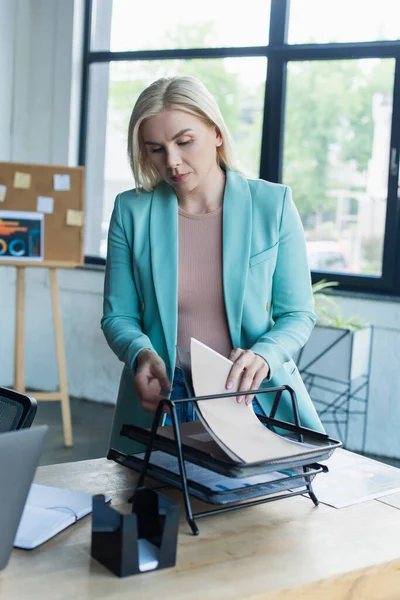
(237, 84)
(336, 159)
(179, 25)
(322, 21)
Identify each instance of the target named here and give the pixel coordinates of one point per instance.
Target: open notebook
(49, 510)
(235, 426)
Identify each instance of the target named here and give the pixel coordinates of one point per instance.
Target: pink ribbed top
(201, 307)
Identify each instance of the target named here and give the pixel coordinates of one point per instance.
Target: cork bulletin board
(41, 215)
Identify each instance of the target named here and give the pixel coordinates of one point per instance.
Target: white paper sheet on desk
(353, 479)
(49, 510)
(234, 425)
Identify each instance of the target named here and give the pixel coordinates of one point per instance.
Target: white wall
(93, 370)
(40, 62)
(40, 44)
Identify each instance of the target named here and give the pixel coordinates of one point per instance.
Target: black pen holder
(121, 542)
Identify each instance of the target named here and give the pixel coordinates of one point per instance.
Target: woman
(198, 250)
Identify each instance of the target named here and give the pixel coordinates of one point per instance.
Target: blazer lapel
(237, 223)
(164, 261)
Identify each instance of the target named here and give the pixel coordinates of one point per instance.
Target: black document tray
(214, 458)
(239, 494)
(295, 484)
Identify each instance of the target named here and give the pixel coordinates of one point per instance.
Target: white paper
(37, 525)
(210, 479)
(3, 192)
(62, 182)
(46, 496)
(148, 555)
(49, 510)
(234, 425)
(45, 204)
(353, 479)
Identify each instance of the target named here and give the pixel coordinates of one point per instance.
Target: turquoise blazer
(266, 286)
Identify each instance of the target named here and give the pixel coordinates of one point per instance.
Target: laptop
(19, 456)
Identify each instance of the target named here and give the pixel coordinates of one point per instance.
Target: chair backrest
(17, 410)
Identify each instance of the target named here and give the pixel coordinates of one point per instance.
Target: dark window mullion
(272, 145)
(85, 82)
(392, 245)
(278, 23)
(272, 135)
(178, 54)
(361, 283)
(337, 51)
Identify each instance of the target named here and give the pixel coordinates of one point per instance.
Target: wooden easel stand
(19, 354)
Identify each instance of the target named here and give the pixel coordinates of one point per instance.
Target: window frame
(278, 54)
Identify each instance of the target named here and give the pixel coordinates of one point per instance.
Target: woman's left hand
(247, 373)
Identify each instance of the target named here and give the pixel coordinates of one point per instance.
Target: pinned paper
(3, 191)
(62, 183)
(22, 180)
(75, 217)
(45, 204)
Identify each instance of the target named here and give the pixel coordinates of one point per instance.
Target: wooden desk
(284, 550)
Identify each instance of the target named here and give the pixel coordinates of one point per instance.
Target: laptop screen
(19, 456)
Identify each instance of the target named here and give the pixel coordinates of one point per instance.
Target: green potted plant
(327, 309)
(338, 347)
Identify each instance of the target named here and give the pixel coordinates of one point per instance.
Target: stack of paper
(210, 479)
(233, 425)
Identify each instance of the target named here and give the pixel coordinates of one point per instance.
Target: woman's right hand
(150, 379)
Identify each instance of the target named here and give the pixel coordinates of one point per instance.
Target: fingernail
(229, 385)
(239, 399)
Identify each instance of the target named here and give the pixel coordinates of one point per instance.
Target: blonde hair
(178, 93)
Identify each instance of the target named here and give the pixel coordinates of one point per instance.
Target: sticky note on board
(75, 217)
(3, 192)
(45, 204)
(22, 181)
(61, 182)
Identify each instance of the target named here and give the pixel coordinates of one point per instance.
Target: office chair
(17, 410)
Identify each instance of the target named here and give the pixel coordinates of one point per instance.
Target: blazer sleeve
(292, 300)
(121, 322)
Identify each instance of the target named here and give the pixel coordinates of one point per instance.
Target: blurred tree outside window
(336, 156)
